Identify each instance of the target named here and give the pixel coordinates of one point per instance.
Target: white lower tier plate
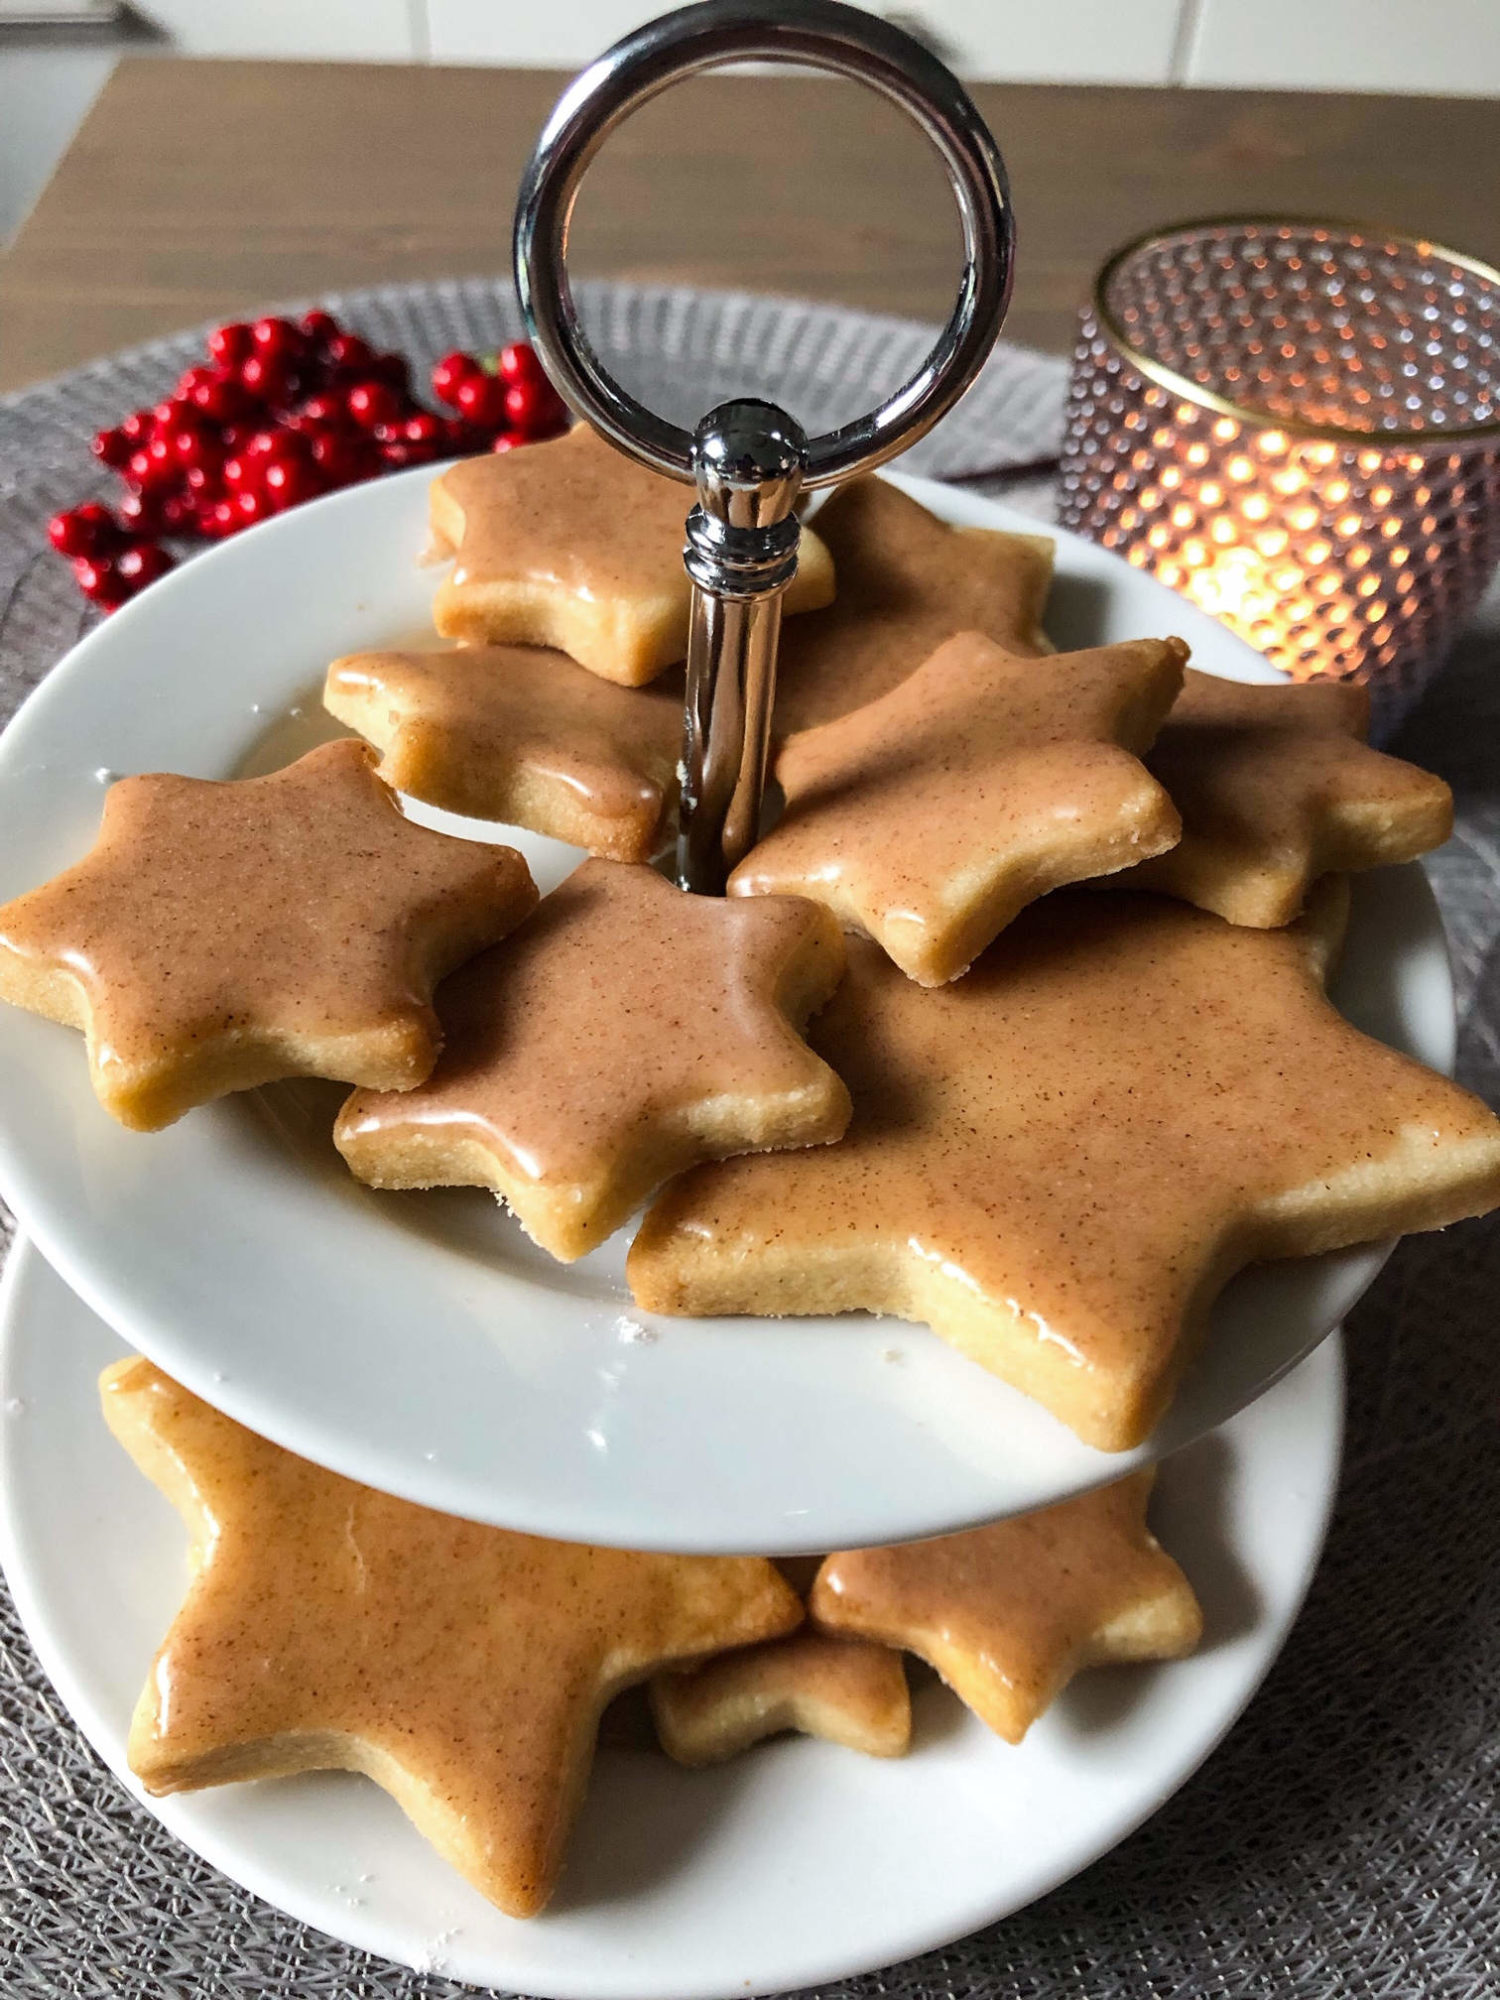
(795, 1865)
(420, 1342)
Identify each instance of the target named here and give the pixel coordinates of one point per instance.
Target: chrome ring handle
(815, 34)
(749, 460)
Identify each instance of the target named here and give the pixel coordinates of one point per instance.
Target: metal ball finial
(742, 540)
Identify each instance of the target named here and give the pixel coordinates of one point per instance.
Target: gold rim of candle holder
(1429, 439)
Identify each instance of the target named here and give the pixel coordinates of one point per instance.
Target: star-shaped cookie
(906, 582)
(1008, 1614)
(1277, 787)
(628, 1031)
(220, 935)
(573, 544)
(931, 817)
(815, 1683)
(1059, 1161)
(520, 734)
(464, 1668)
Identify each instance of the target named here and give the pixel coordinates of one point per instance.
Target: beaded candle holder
(1297, 425)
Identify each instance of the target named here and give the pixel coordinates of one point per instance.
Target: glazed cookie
(906, 582)
(1277, 787)
(931, 817)
(573, 544)
(818, 1684)
(520, 734)
(463, 1668)
(221, 935)
(1060, 1161)
(1008, 1614)
(629, 1031)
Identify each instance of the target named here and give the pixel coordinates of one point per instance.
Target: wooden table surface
(197, 190)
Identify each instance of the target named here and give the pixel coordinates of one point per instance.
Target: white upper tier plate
(796, 1865)
(420, 1342)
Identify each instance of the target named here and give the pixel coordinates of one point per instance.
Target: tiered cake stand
(420, 1343)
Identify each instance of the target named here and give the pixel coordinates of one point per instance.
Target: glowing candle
(1297, 425)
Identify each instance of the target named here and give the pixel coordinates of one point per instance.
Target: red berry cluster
(281, 411)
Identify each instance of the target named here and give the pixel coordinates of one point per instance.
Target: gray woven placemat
(1344, 1841)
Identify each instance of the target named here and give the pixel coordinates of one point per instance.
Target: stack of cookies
(1013, 1024)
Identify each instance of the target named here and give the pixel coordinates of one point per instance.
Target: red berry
(507, 441)
(240, 473)
(155, 466)
(461, 440)
(220, 396)
(246, 468)
(250, 506)
(190, 444)
(200, 447)
(320, 327)
(373, 403)
(535, 407)
(325, 408)
(206, 481)
(112, 446)
(189, 381)
(518, 363)
(288, 474)
(279, 340)
(417, 441)
(449, 372)
(136, 428)
(481, 400)
(230, 344)
(300, 425)
(89, 530)
(269, 378)
(349, 356)
(100, 582)
(144, 514)
(220, 519)
(290, 481)
(395, 371)
(343, 457)
(142, 563)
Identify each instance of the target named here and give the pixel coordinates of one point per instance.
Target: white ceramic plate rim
(807, 1863)
(467, 1371)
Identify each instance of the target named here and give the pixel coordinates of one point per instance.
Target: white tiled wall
(1397, 45)
(1447, 46)
(340, 30)
(1085, 41)
(1444, 46)
(555, 34)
